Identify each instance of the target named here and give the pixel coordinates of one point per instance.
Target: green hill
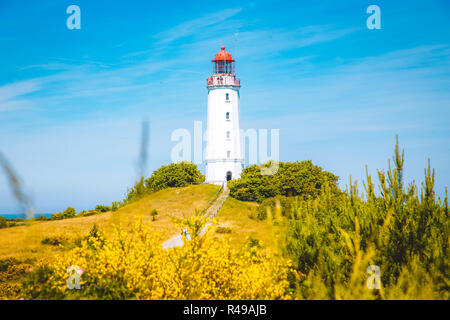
(21, 247)
(25, 242)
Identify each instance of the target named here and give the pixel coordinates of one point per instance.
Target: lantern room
(223, 63)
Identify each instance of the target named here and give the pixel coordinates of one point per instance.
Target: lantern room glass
(223, 67)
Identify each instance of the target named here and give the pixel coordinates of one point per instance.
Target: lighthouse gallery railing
(222, 81)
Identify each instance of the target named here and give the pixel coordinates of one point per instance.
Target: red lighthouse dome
(223, 56)
(223, 72)
(223, 62)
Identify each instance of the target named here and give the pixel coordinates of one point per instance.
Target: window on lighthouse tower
(227, 116)
(228, 154)
(227, 96)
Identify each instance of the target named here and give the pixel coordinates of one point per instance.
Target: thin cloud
(10, 95)
(15, 105)
(264, 43)
(192, 26)
(16, 89)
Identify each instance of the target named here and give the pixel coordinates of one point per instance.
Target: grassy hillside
(235, 215)
(21, 247)
(24, 242)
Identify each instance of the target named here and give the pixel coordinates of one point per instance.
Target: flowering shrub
(11, 271)
(133, 265)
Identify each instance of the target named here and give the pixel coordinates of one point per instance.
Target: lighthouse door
(228, 175)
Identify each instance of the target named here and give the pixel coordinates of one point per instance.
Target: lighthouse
(223, 154)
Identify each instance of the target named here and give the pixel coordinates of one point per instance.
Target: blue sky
(72, 101)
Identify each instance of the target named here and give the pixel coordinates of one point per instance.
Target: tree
(154, 213)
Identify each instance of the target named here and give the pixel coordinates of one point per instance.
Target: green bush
(301, 179)
(262, 214)
(223, 230)
(116, 205)
(101, 208)
(253, 242)
(7, 223)
(42, 218)
(68, 213)
(85, 213)
(173, 175)
(55, 240)
(3, 223)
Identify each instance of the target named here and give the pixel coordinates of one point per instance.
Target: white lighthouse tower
(223, 156)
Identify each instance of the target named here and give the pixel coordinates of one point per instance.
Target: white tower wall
(223, 142)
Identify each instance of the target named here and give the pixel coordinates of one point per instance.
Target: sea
(21, 215)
